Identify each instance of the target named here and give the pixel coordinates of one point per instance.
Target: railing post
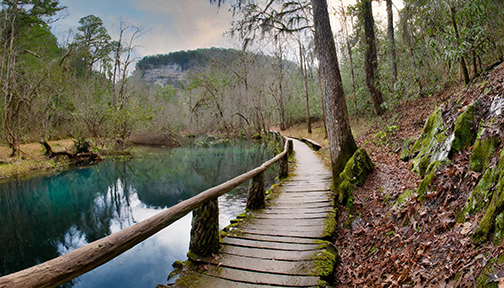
(256, 192)
(290, 147)
(284, 162)
(205, 230)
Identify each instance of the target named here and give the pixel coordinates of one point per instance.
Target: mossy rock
(406, 149)
(403, 199)
(358, 168)
(496, 206)
(482, 193)
(356, 171)
(482, 153)
(499, 229)
(422, 188)
(325, 261)
(432, 146)
(465, 130)
(345, 192)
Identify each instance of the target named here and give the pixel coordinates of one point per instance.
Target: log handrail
(84, 259)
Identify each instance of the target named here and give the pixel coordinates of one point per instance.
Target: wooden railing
(84, 259)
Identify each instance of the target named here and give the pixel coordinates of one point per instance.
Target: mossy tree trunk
(341, 142)
(205, 230)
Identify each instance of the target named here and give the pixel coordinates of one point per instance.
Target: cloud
(183, 25)
(171, 25)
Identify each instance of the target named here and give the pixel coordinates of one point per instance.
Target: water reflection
(45, 217)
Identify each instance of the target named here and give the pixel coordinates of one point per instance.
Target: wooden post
(205, 230)
(256, 193)
(290, 147)
(284, 166)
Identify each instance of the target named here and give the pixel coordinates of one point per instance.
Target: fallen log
(78, 158)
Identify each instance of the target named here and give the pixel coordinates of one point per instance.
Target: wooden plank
(287, 222)
(266, 253)
(304, 267)
(292, 211)
(316, 226)
(279, 239)
(290, 204)
(305, 234)
(239, 275)
(302, 194)
(205, 281)
(269, 245)
(291, 216)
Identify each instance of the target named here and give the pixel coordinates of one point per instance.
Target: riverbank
(32, 160)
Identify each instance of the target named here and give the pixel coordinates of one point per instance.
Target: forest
(369, 82)
(81, 88)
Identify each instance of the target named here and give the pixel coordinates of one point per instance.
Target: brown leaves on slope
(420, 245)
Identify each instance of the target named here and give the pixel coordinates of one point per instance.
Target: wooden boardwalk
(277, 247)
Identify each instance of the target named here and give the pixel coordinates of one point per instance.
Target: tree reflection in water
(44, 217)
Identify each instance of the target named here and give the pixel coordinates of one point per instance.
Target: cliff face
(174, 68)
(170, 74)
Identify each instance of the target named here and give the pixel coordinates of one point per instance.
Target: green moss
(482, 279)
(432, 146)
(422, 188)
(324, 262)
(345, 192)
(496, 206)
(403, 199)
(500, 259)
(420, 165)
(330, 224)
(499, 229)
(356, 171)
(465, 130)
(482, 193)
(433, 126)
(348, 223)
(433, 166)
(406, 149)
(482, 153)
(357, 168)
(322, 283)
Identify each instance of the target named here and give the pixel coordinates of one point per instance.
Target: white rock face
(497, 107)
(171, 74)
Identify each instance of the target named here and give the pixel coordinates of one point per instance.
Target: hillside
(430, 215)
(172, 68)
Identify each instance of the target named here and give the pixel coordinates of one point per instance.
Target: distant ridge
(172, 68)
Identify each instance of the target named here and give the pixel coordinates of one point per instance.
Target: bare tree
(371, 57)
(391, 39)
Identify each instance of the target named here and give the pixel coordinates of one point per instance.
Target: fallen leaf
(466, 228)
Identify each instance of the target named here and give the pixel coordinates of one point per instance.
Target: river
(44, 217)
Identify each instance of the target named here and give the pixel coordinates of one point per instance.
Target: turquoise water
(44, 217)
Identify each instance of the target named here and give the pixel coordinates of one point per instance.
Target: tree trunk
(371, 61)
(305, 84)
(464, 73)
(408, 42)
(322, 101)
(341, 142)
(390, 36)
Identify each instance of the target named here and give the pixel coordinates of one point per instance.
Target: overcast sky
(170, 25)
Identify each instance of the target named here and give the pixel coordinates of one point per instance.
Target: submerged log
(78, 158)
